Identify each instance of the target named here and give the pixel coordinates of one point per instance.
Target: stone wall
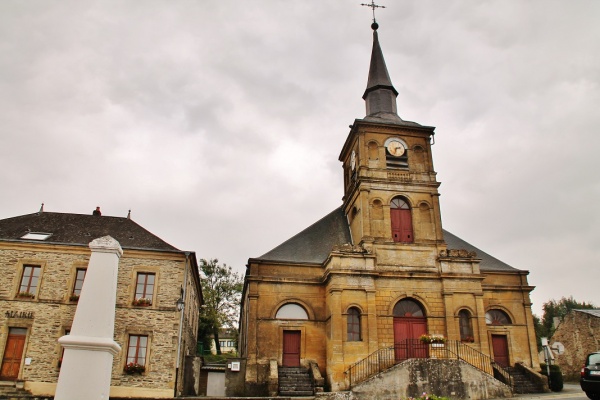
(449, 378)
(579, 332)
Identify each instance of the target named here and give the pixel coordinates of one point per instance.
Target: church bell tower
(390, 188)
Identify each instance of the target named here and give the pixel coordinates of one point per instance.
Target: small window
(466, 327)
(497, 317)
(79, 277)
(29, 281)
(36, 236)
(136, 351)
(144, 289)
(354, 325)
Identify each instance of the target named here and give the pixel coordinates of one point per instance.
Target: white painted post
(86, 367)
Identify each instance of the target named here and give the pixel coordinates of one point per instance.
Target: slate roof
(595, 312)
(80, 229)
(314, 244)
(488, 262)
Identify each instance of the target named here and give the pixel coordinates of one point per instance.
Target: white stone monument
(86, 367)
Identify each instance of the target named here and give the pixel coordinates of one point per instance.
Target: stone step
(295, 382)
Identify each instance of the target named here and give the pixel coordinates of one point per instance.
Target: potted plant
(467, 339)
(134, 368)
(142, 302)
(26, 295)
(74, 297)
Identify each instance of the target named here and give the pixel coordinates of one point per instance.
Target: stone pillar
(372, 321)
(86, 368)
(335, 347)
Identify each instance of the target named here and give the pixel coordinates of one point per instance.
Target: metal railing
(387, 357)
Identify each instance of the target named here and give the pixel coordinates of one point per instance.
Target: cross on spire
(373, 6)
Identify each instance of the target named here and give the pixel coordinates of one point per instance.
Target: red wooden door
(407, 331)
(401, 225)
(291, 348)
(500, 346)
(13, 352)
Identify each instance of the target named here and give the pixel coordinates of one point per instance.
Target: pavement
(569, 390)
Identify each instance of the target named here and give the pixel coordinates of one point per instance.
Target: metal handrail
(387, 357)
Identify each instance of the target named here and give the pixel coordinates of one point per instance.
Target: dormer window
(395, 153)
(36, 236)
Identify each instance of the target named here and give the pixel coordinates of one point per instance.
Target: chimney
(97, 212)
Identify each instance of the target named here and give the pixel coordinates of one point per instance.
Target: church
(380, 272)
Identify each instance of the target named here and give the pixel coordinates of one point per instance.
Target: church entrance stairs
(295, 382)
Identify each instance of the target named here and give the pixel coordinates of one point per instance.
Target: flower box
(25, 295)
(142, 302)
(432, 339)
(134, 368)
(74, 297)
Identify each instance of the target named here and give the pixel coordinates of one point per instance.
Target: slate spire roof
(380, 94)
(79, 229)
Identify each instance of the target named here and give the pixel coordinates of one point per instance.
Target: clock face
(353, 160)
(396, 148)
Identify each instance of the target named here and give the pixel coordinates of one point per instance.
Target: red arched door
(401, 220)
(409, 324)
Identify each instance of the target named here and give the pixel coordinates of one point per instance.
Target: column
(86, 369)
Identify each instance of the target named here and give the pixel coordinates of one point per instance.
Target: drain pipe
(182, 298)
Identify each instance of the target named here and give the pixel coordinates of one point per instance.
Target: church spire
(380, 95)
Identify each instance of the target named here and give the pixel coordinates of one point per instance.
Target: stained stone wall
(51, 312)
(579, 332)
(449, 378)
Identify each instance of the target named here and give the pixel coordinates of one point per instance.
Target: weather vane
(373, 6)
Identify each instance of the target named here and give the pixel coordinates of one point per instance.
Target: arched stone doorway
(410, 323)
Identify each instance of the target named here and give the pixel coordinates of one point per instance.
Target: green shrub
(556, 378)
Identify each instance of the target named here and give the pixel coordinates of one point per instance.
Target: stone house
(379, 271)
(43, 261)
(579, 332)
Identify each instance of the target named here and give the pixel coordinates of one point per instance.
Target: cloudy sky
(219, 123)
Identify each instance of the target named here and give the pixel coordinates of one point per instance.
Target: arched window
(466, 327)
(354, 325)
(408, 308)
(291, 311)
(401, 219)
(497, 317)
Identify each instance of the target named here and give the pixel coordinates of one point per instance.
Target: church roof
(79, 229)
(314, 244)
(488, 262)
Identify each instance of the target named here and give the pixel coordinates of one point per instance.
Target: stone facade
(579, 332)
(341, 286)
(48, 315)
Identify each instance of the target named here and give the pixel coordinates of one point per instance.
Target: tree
(544, 327)
(222, 291)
